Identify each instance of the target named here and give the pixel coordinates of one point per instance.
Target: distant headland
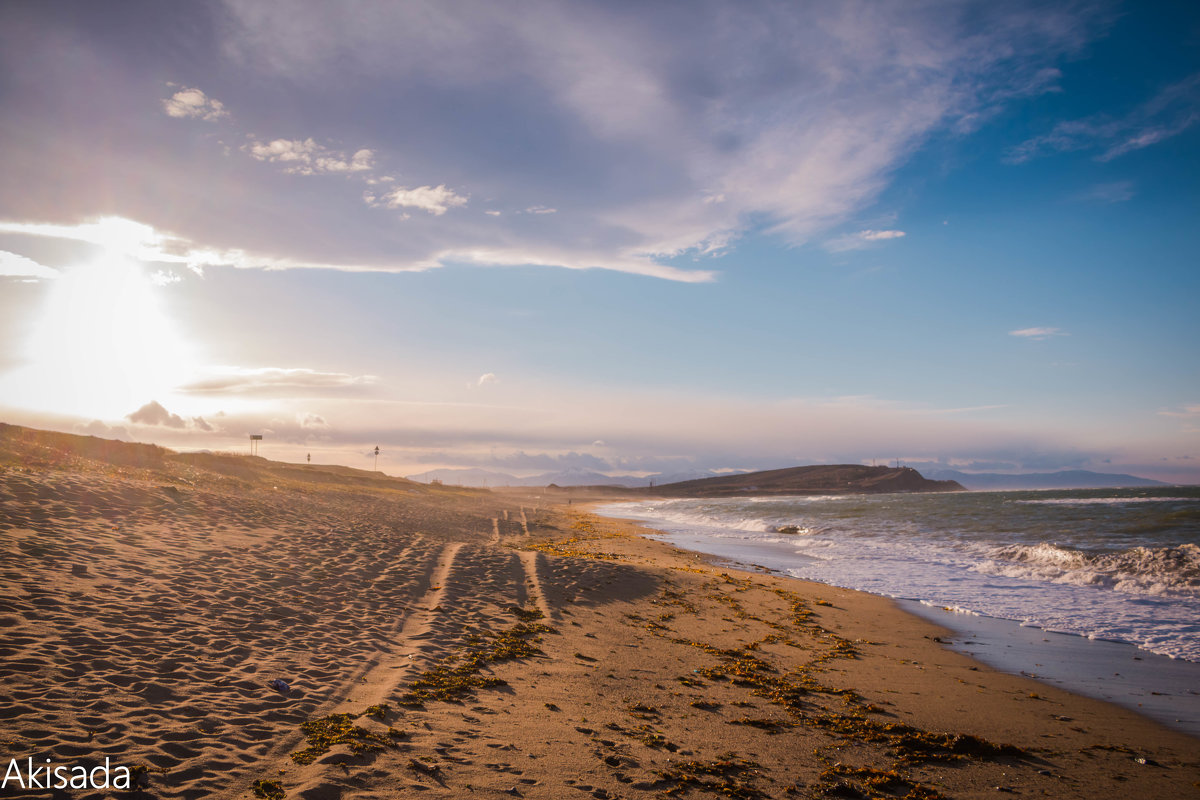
(813, 480)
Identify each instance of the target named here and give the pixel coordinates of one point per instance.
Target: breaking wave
(1161, 571)
(1103, 501)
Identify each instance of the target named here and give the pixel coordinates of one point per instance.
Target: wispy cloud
(194, 104)
(1037, 334)
(1169, 113)
(1184, 412)
(1189, 416)
(241, 380)
(860, 240)
(794, 117)
(16, 266)
(143, 242)
(519, 460)
(1114, 192)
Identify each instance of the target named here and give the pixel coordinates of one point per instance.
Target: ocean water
(1112, 564)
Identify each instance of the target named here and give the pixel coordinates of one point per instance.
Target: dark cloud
(154, 414)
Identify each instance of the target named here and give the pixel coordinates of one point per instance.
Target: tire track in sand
(534, 564)
(416, 638)
(372, 684)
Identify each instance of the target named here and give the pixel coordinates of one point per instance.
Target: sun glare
(103, 344)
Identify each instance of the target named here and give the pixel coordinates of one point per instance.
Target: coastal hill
(824, 479)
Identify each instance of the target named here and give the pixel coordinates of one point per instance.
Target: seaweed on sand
(729, 775)
(846, 781)
(271, 790)
(324, 733)
(461, 675)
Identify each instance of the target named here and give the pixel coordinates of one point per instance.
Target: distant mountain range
(569, 477)
(1064, 479)
(835, 479)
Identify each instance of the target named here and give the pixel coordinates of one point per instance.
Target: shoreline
(1160, 686)
(461, 643)
(1117, 672)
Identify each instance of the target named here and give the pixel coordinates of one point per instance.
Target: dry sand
(450, 643)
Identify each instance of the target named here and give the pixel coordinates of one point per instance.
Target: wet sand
(1162, 688)
(445, 642)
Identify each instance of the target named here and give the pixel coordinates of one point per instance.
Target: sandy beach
(435, 642)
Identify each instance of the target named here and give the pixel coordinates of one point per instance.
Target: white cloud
(1037, 334)
(17, 266)
(238, 380)
(541, 210)
(311, 421)
(194, 104)
(492, 213)
(857, 241)
(437, 200)
(116, 234)
(164, 278)
(875, 236)
(307, 157)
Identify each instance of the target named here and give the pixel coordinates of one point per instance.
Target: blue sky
(619, 236)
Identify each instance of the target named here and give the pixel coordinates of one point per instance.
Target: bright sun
(103, 345)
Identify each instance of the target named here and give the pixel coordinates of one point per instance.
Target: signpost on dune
(255, 438)
(377, 458)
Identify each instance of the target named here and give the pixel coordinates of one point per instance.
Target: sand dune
(448, 643)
